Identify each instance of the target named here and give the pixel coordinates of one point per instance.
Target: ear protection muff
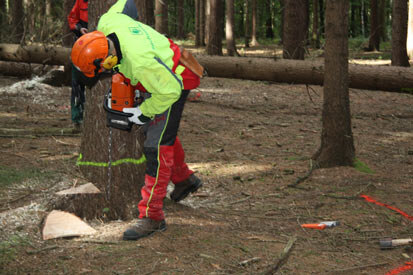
(110, 62)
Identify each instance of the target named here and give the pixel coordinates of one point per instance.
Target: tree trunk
(180, 14)
(410, 31)
(18, 69)
(374, 40)
(214, 46)
(207, 16)
(120, 185)
(254, 41)
(145, 11)
(3, 13)
(198, 23)
(17, 16)
(385, 78)
(337, 145)
(316, 32)
(295, 29)
(202, 21)
(399, 34)
(161, 16)
(68, 39)
(247, 34)
(229, 29)
(382, 19)
(269, 33)
(49, 55)
(321, 12)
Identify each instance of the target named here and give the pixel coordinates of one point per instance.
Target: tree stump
(121, 183)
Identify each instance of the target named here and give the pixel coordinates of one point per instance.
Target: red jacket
(78, 14)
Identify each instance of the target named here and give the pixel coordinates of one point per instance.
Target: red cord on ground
(370, 199)
(407, 266)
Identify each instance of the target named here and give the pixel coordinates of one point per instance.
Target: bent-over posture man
(149, 61)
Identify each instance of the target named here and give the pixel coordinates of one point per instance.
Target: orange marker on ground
(321, 225)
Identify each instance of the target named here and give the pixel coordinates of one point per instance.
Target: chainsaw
(120, 95)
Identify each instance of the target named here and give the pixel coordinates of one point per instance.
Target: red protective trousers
(165, 159)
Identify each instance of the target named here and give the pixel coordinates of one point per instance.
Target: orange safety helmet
(89, 52)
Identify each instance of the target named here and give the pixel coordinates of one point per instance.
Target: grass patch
(362, 167)
(8, 248)
(10, 176)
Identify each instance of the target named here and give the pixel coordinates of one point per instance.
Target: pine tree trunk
(295, 29)
(374, 40)
(254, 41)
(207, 16)
(316, 33)
(384, 78)
(247, 34)
(410, 31)
(229, 29)
(145, 11)
(202, 20)
(337, 145)
(161, 16)
(198, 23)
(399, 34)
(68, 38)
(269, 33)
(214, 46)
(3, 13)
(180, 14)
(17, 16)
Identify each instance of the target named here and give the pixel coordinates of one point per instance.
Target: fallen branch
(282, 259)
(358, 267)
(306, 176)
(249, 261)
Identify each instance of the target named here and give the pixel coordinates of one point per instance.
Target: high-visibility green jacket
(146, 57)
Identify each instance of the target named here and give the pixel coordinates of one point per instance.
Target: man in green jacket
(149, 62)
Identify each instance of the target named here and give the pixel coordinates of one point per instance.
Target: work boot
(144, 227)
(183, 188)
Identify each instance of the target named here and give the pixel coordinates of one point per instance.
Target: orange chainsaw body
(123, 95)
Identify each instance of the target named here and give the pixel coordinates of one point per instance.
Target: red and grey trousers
(165, 159)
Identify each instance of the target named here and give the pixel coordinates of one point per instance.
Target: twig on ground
(306, 176)
(354, 197)
(357, 267)
(282, 259)
(238, 201)
(41, 249)
(101, 242)
(249, 261)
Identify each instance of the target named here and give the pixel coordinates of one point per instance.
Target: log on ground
(384, 78)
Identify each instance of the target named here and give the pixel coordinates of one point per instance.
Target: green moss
(362, 167)
(10, 176)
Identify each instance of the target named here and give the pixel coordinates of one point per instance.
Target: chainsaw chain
(109, 184)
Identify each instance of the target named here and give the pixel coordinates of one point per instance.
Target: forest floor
(248, 141)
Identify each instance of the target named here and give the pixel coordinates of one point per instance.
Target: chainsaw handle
(318, 226)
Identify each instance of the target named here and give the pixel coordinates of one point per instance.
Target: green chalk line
(106, 164)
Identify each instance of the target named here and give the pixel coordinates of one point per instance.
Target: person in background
(148, 61)
(78, 24)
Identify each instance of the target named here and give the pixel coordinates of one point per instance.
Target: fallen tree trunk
(41, 54)
(385, 78)
(16, 69)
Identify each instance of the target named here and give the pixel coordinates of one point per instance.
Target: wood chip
(60, 224)
(87, 188)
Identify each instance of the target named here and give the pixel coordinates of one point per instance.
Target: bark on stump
(121, 194)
